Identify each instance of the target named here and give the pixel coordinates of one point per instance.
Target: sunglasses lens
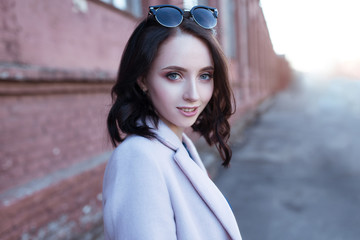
(168, 16)
(204, 17)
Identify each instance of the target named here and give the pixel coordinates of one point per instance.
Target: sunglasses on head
(172, 16)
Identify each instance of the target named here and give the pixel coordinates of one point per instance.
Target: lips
(188, 111)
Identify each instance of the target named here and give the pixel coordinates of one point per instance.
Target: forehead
(184, 49)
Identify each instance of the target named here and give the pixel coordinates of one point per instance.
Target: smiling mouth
(188, 109)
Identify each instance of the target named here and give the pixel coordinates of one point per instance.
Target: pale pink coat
(152, 189)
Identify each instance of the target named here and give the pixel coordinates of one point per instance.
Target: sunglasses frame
(153, 9)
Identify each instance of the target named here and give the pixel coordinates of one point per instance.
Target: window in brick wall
(132, 6)
(188, 4)
(230, 28)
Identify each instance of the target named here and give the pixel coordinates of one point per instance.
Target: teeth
(188, 109)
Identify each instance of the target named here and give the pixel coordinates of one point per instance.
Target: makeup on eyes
(176, 72)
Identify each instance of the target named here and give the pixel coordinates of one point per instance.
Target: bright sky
(313, 34)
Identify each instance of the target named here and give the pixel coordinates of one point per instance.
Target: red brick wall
(57, 65)
(66, 210)
(43, 133)
(55, 34)
(53, 148)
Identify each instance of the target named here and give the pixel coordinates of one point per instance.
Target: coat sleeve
(136, 198)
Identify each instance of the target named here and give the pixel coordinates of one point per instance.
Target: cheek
(163, 95)
(207, 92)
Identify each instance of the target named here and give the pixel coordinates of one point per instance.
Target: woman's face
(180, 82)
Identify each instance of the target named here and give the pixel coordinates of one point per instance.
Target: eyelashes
(206, 76)
(173, 76)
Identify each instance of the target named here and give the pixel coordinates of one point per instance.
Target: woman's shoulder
(133, 141)
(138, 143)
(138, 149)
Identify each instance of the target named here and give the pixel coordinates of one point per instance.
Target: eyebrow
(207, 68)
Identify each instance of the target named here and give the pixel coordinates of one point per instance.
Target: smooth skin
(180, 83)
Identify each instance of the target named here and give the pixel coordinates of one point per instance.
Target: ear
(141, 82)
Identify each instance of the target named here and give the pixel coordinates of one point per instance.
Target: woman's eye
(206, 76)
(173, 76)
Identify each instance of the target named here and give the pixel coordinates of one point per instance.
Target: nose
(191, 92)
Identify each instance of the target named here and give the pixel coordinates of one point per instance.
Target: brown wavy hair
(131, 106)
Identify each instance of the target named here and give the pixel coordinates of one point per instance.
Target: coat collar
(196, 173)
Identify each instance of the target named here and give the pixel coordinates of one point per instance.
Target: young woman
(172, 76)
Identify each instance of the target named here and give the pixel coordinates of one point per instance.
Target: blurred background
(294, 68)
(316, 36)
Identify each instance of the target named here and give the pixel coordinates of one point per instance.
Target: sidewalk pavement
(209, 154)
(295, 172)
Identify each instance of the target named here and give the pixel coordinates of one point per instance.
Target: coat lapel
(209, 193)
(196, 173)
